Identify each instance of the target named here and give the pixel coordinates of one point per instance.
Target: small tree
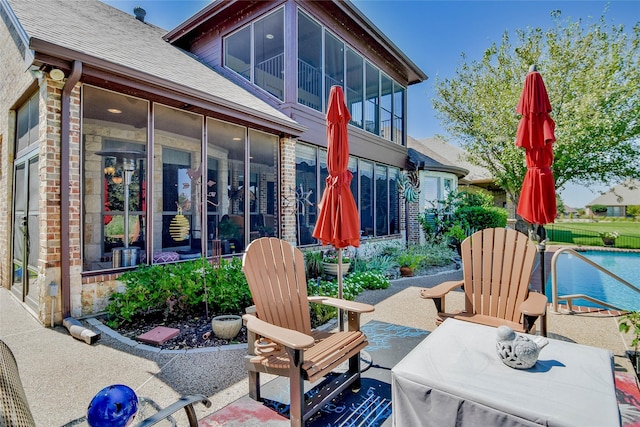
(591, 75)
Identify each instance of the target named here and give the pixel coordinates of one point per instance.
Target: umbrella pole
(542, 246)
(340, 312)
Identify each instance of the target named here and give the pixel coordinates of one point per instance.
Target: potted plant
(330, 263)
(408, 262)
(628, 321)
(609, 237)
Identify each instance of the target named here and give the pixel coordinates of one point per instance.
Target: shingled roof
(106, 38)
(625, 194)
(449, 154)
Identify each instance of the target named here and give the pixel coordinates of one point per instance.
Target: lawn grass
(626, 228)
(587, 233)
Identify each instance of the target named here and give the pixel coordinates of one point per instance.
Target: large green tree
(592, 75)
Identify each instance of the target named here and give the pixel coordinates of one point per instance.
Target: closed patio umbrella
(537, 204)
(338, 220)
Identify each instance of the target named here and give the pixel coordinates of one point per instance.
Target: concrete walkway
(61, 374)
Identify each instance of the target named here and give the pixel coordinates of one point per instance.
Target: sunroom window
(256, 52)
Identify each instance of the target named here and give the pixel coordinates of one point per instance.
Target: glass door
(25, 230)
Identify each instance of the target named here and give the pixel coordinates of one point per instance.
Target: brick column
(287, 185)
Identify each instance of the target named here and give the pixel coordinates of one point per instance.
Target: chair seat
(329, 351)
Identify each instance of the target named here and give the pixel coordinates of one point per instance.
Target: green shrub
(481, 217)
(313, 263)
(179, 289)
(227, 288)
(460, 214)
(382, 264)
(367, 280)
(320, 314)
(435, 254)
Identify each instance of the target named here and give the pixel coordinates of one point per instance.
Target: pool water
(575, 276)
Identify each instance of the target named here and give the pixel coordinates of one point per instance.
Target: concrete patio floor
(61, 374)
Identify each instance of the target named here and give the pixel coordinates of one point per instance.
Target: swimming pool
(577, 277)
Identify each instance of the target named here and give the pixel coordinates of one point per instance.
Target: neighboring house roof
(625, 194)
(452, 155)
(426, 159)
(108, 39)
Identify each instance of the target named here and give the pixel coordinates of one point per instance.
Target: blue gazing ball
(113, 406)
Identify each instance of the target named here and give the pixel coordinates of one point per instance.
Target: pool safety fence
(558, 233)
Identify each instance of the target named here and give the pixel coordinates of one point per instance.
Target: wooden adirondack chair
(280, 338)
(497, 265)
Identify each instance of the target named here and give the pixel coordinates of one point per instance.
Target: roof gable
(104, 36)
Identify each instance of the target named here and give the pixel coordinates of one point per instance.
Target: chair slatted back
(275, 272)
(497, 265)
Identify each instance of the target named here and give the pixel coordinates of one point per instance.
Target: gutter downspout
(65, 128)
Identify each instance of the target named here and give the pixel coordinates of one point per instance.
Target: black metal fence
(557, 233)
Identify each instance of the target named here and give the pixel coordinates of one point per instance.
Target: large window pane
(114, 130)
(333, 63)
(394, 201)
(309, 62)
(226, 144)
(386, 106)
(237, 52)
(382, 200)
(355, 87)
(398, 113)
(268, 48)
(263, 165)
(27, 123)
(371, 110)
(303, 199)
(178, 183)
(353, 168)
(366, 197)
(324, 170)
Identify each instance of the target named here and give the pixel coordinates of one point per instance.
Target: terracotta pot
(332, 268)
(226, 327)
(406, 271)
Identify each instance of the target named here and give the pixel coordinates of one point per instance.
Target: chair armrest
(534, 305)
(357, 307)
(283, 336)
(440, 290)
(185, 402)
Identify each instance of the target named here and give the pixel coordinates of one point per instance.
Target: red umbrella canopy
(535, 134)
(338, 220)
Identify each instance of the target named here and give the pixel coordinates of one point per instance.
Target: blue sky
(434, 34)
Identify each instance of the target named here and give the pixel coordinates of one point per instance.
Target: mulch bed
(195, 332)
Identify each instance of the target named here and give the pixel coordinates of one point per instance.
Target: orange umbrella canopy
(535, 134)
(338, 220)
